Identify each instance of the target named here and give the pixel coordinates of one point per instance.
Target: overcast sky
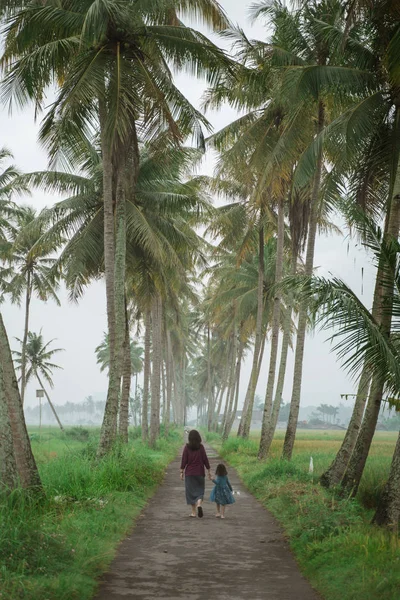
(79, 328)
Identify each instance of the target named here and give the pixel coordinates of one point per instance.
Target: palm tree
(360, 339)
(112, 65)
(18, 465)
(160, 220)
(103, 355)
(31, 269)
(132, 355)
(38, 360)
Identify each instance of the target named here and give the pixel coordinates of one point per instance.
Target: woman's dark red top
(194, 461)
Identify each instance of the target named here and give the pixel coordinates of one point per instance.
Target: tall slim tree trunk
(276, 320)
(164, 393)
(156, 376)
(209, 382)
(146, 376)
(302, 320)
(334, 474)
(383, 300)
(233, 413)
(169, 382)
(244, 427)
(27, 469)
(50, 402)
(28, 296)
(266, 445)
(231, 383)
(224, 385)
(109, 425)
(388, 511)
(123, 424)
(8, 465)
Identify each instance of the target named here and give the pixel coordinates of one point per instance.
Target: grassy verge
(338, 550)
(56, 546)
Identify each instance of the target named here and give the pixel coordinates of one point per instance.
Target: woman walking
(194, 459)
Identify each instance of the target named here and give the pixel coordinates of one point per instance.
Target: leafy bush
(81, 434)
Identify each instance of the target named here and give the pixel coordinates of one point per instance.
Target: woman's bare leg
(199, 508)
(193, 510)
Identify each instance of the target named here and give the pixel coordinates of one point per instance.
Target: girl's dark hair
(221, 470)
(194, 440)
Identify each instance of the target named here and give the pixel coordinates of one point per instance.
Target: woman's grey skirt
(194, 487)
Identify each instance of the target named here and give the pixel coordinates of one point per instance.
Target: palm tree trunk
(261, 356)
(164, 394)
(244, 427)
(25, 338)
(231, 383)
(146, 376)
(109, 425)
(169, 382)
(265, 444)
(209, 383)
(388, 511)
(302, 321)
(233, 412)
(27, 469)
(276, 319)
(156, 379)
(224, 386)
(50, 402)
(123, 425)
(334, 474)
(8, 464)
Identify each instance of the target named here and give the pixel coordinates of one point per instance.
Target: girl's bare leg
(222, 511)
(218, 511)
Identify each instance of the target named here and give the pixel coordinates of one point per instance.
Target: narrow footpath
(170, 556)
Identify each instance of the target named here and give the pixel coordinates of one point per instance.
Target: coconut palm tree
(111, 61)
(31, 264)
(18, 466)
(103, 355)
(360, 339)
(160, 219)
(39, 362)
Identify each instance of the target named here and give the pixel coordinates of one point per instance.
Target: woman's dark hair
(194, 440)
(221, 470)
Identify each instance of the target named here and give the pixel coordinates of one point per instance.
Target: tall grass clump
(56, 545)
(337, 548)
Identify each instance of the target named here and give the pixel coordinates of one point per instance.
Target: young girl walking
(222, 491)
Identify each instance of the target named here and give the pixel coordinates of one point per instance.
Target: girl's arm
(229, 485)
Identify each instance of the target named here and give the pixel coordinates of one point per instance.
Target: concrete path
(170, 556)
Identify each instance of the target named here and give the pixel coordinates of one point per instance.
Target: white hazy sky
(79, 328)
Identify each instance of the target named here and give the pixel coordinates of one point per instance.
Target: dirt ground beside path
(170, 556)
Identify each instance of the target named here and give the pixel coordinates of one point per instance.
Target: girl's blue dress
(222, 491)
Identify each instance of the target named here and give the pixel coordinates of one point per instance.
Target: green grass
(338, 550)
(54, 547)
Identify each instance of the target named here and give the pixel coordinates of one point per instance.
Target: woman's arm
(184, 460)
(206, 462)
